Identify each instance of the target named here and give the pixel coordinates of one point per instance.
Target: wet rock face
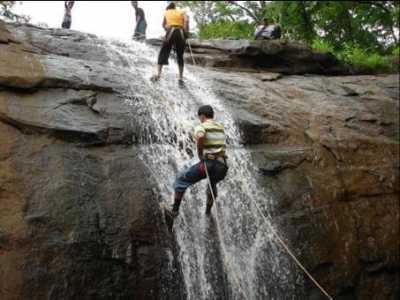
(328, 150)
(79, 217)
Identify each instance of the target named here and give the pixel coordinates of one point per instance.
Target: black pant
(216, 171)
(66, 24)
(176, 39)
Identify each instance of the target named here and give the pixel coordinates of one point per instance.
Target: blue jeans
(216, 170)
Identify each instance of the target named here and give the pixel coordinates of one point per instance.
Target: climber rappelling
(210, 139)
(176, 25)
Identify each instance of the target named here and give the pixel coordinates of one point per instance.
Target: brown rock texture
(79, 212)
(79, 217)
(328, 149)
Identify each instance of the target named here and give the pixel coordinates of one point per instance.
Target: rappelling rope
(283, 244)
(191, 52)
(226, 262)
(278, 238)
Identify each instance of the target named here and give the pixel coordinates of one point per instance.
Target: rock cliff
(276, 56)
(328, 149)
(79, 215)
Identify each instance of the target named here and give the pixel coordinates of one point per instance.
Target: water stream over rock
(232, 254)
(89, 148)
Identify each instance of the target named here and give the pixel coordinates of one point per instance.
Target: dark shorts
(66, 22)
(176, 40)
(216, 170)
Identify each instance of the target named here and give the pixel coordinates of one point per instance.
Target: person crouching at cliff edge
(176, 25)
(211, 145)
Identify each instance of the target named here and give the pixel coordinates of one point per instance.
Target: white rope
(281, 242)
(226, 262)
(278, 238)
(291, 253)
(191, 52)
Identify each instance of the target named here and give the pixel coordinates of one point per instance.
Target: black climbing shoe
(170, 215)
(154, 78)
(181, 83)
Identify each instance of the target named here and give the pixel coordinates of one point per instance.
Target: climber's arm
(200, 136)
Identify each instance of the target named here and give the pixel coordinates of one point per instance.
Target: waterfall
(232, 253)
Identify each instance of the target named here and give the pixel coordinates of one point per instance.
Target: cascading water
(230, 255)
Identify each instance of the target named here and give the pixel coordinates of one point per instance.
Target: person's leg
(180, 67)
(144, 31)
(180, 44)
(66, 24)
(159, 71)
(141, 31)
(217, 171)
(68, 21)
(184, 180)
(163, 56)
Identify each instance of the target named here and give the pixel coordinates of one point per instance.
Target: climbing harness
(278, 238)
(171, 32)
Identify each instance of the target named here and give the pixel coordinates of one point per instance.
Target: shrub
(396, 51)
(360, 57)
(322, 46)
(227, 30)
(396, 59)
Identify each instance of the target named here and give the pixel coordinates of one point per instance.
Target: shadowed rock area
(79, 214)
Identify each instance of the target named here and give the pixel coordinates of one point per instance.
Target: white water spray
(235, 245)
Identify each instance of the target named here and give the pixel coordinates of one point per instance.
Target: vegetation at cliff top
(363, 33)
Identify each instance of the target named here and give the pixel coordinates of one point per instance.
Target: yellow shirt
(175, 17)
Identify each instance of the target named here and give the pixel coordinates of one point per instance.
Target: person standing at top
(210, 138)
(141, 24)
(67, 15)
(176, 25)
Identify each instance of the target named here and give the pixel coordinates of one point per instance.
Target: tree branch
(249, 12)
(385, 9)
